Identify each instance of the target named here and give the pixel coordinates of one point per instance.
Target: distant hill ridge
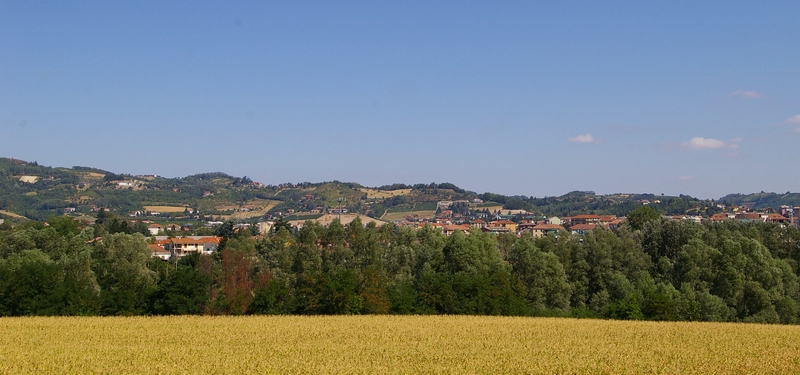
(763, 200)
(38, 192)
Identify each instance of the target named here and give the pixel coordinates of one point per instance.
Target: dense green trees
(657, 269)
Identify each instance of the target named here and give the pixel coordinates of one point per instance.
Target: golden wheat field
(391, 345)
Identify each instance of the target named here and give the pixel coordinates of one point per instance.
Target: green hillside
(38, 192)
(762, 200)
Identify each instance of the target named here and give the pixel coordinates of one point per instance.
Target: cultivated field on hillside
(383, 194)
(165, 209)
(391, 344)
(29, 179)
(259, 208)
(11, 214)
(91, 175)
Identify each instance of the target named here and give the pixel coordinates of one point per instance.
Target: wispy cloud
(584, 138)
(747, 94)
(700, 143)
(795, 130)
(793, 120)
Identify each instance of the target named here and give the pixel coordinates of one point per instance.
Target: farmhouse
(159, 252)
(154, 229)
(182, 246)
(508, 224)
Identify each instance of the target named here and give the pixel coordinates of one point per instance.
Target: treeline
(657, 270)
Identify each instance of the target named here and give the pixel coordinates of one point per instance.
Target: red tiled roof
(155, 248)
(777, 217)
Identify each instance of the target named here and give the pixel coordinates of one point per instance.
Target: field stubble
(391, 344)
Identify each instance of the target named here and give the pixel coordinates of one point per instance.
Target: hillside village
(448, 221)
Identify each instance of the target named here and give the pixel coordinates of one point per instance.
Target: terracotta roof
(583, 227)
(718, 217)
(586, 216)
(156, 248)
(777, 217)
(154, 226)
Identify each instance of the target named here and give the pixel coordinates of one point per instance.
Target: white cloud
(793, 120)
(700, 143)
(747, 94)
(685, 178)
(584, 138)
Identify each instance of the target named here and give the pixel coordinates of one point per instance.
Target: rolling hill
(37, 192)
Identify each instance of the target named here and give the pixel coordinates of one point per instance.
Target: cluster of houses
(578, 224)
(747, 217)
(448, 222)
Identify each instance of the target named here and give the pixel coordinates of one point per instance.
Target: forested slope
(665, 270)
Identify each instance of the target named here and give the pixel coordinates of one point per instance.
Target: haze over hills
(37, 192)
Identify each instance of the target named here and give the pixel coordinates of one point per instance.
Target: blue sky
(528, 98)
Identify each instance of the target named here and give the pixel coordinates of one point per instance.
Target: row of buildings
(578, 224)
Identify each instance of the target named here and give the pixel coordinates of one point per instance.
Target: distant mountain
(38, 192)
